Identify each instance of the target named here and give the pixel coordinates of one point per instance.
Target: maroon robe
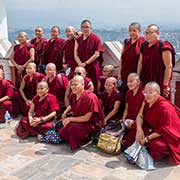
(5, 90)
(109, 101)
(153, 67)
(29, 90)
(77, 134)
(102, 83)
(163, 119)
(86, 48)
(21, 56)
(42, 109)
(54, 53)
(130, 57)
(134, 105)
(58, 87)
(69, 54)
(39, 49)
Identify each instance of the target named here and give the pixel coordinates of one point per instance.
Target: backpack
(143, 46)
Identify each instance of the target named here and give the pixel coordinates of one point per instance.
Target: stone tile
(111, 178)
(175, 174)
(6, 132)
(160, 173)
(71, 176)
(13, 163)
(31, 160)
(59, 149)
(129, 173)
(91, 171)
(9, 178)
(3, 157)
(46, 168)
(13, 148)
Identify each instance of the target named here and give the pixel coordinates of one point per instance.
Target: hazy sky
(103, 13)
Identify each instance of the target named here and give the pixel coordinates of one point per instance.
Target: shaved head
(136, 24)
(70, 28)
(81, 69)
(23, 34)
(31, 64)
(56, 27)
(154, 27)
(155, 86)
(78, 78)
(112, 79)
(134, 76)
(40, 27)
(51, 66)
(43, 84)
(109, 67)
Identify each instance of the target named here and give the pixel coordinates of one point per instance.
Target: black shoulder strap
(125, 42)
(28, 46)
(161, 45)
(143, 46)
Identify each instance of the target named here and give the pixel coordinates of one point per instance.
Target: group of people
(65, 94)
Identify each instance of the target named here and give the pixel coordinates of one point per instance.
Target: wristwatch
(41, 120)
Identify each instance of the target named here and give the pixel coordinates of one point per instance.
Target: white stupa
(5, 45)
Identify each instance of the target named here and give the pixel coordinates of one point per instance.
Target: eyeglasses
(150, 93)
(77, 73)
(105, 70)
(149, 33)
(85, 27)
(37, 30)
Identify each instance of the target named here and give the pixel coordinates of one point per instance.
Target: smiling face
(77, 85)
(107, 71)
(70, 32)
(42, 89)
(133, 82)
(134, 32)
(50, 70)
(39, 32)
(86, 28)
(151, 93)
(151, 34)
(110, 84)
(55, 32)
(22, 37)
(31, 68)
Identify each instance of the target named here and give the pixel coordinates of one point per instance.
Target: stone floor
(31, 160)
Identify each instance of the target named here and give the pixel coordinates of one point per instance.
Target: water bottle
(119, 83)
(7, 118)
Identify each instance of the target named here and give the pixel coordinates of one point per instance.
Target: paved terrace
(31, 160)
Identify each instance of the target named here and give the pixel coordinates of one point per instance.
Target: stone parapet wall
(6, 64)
